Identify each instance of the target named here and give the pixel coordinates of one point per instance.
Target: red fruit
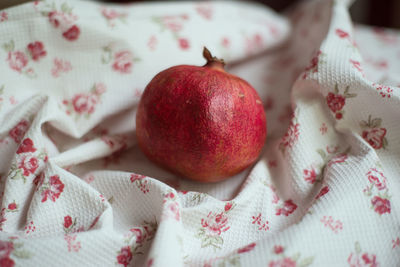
(201, 122)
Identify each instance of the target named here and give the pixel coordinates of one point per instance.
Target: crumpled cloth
(77, 191)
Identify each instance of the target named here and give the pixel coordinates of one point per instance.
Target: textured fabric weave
(77, 191)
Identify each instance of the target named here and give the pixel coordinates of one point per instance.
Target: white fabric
(77, 191)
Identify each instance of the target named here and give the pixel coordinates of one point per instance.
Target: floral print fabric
(76, 190)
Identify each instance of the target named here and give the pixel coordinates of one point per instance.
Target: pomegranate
(201, 122)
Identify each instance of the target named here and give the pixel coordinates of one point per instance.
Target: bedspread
(77, 191)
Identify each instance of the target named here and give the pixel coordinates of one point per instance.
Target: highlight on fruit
(201, 122)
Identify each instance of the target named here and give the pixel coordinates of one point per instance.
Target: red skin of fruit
(201, 122)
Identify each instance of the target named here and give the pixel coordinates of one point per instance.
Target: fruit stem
(213, 62)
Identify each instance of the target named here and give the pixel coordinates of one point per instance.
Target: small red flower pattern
(141, 182)
(329, 156)
(291, 136)
(205, 10)
(261, 225)
(112, 16)
(213, 226)
(68, 224)
(286, 209)
(373, 132)
(19, 60)
(30, 228)
(72, 244)
(19, 130)
(122, 61)
(12, 207)
(12, 248)
(175, 25)
(383, 90)
(324, 190)
(125, 256)
(52, 189)
(36, 50)
(380, 205)
(335, 225)
(316, 61)
(380, 201)
(60, 66)
(26, 146)
(3, 16)
(282, 260)
(361, 259)
(152, 43)
(376, 178)
(84, 104)
(28, 162)
(171, 207)
(253, 43)
(61, 18)
(342, 34)
(337, 101)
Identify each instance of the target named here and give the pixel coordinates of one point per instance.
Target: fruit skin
(201, 122)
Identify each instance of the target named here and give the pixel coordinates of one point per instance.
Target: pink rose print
(175, 25)
(55, 17)
(85, 103)
(285, 262)
(62, 19)
(174, 210)
(19, 131)
(3, 16)
(337, 101)
(335, 225)
(225, 42)
(28, 164)
(72, 33)
(291, 136)
(36, 50)
(360, 259)
(52, 189)
(215, 223)
(212, 228)
(278, 249)
(111, 15)
(380, 205)
(374, 137)
(26, 146)
(288, 208)
(7, 248)
(60, 66)
(342, 34)
(373, 133)
(123, 62)
(138, 234)
(152, 43)
(17, 60)
(376, 178)
(183, 43)
(247, 248)
(323, 191)
(205, 10)
(125, 256)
